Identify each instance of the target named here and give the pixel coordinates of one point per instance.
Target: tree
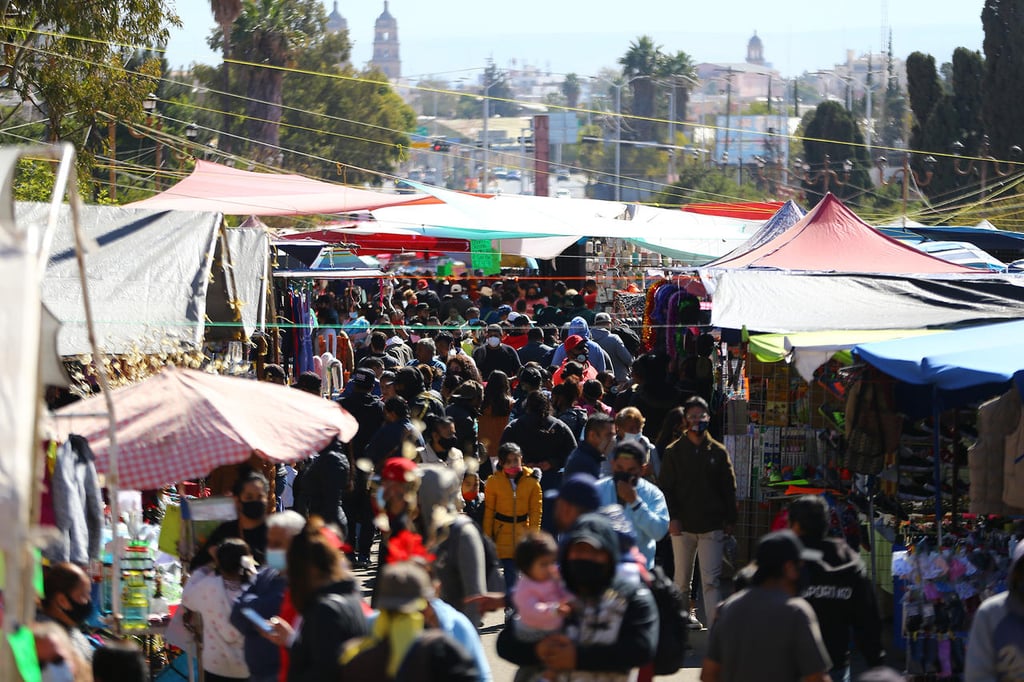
(1003, 23)
(76, 85)
(894, 105)
(267, 36)
(966, 78)
(831, 138)
(680, 72)
(923, 91)
(571, 90)
(640, 64)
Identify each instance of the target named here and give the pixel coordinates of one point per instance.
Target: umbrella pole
(101, 373)
(937, 463)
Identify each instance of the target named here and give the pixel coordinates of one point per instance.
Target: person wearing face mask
(496, 355)
(643, 503)
(66, 602)
(512, 507)
(441, 444)
(57, 656)
(268, 596)
(588, 456)
(768, 632)
(995, 648)
(576, 352)
(699, 484)
(250, 492)
(613, 628)
(213, 595)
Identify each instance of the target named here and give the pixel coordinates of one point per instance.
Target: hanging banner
(484, 256)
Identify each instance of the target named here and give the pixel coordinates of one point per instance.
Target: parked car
(514, 175)
(562, 174)
(562, 193)
(500, 172)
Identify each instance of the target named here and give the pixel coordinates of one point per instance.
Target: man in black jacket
(496, 355)
(368, 411)
(838, 589)
(700, 489)
(612, 631)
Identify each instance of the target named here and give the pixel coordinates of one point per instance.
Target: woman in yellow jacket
(512, 507)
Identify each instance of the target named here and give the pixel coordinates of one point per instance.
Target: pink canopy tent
(831, 238)
(380, 242)
(213, 187)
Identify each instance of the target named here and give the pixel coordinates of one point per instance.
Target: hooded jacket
(842, 596)
(615, 633)
(510, 512)
(595, 354)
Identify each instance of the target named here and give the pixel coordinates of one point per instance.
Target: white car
(562, 193)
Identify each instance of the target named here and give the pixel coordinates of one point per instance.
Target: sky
(450, 39)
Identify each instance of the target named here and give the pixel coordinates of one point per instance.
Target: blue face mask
(701, 426)
(277, 559)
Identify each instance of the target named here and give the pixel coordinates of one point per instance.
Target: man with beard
(613, 628)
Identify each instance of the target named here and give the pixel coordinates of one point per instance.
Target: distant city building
(755, 51)
(385, 45)
(335, 22)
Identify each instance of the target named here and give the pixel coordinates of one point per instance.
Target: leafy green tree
(641, 65)
(1002, 110)
(698, 182)
(571, 90)
(679, 73)
(832, 138)
(967, 77)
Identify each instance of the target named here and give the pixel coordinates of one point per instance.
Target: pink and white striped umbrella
(183, 423)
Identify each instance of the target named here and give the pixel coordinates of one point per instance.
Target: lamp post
(825, 175)
(907, 174)
(618, 128)
(980, 164)
(153, 120)
(849, 79)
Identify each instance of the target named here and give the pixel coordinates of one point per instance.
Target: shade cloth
(182, 423)
(213, 187)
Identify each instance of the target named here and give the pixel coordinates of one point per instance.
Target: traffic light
(440, 146)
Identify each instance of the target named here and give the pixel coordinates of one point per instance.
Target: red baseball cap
(397, 469)
(421, 284)
(574, 342)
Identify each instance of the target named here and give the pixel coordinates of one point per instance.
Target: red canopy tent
(750, 210)
(831, 238)
(216, 188)
(381, 242)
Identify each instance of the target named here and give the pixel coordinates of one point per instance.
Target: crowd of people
(546, 471)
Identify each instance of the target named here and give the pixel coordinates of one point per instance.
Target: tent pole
(937, 457)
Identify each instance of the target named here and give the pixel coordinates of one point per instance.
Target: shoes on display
(915, 492)
(916, 463)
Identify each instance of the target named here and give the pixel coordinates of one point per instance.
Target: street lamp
(848, 79)
(907, 174)
(981, 169)
(153, 120)
(618, 127)
(824, 176)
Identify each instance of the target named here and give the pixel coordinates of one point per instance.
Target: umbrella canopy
(182, 423)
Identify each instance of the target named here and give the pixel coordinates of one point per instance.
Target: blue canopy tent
(956, 367)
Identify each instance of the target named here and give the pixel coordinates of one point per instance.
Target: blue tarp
(960, 366)
(988, 240)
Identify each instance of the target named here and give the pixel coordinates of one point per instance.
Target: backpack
(492, 564)
(630, 339)
(673, 619)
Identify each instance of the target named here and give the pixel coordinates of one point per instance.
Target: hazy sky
(582, 37)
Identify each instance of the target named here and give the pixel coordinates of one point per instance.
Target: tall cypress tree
(924, 92)
(830, 132)
(1003, 102)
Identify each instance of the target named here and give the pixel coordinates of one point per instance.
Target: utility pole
(728, 108)
(672, 133)
(796, 98)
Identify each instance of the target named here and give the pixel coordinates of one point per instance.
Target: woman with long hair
(512, 507)
(672, 428)
(495, 412)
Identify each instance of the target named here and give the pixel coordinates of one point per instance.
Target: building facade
(385, 45)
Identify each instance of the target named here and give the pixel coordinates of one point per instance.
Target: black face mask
(254, 509)
(449, 443)
(587, 578)
(78, 612)
(625, 477)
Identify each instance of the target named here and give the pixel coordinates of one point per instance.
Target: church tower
(385, 45)
(335, 22)
(755, 51)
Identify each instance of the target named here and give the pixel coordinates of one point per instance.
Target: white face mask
(493, 341)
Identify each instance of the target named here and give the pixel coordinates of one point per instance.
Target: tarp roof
(782, 301)
(979, 360)
(831, 238)
(744, 210)
(374, 241)
(213, 187)
(149, 278)
(989, 239)
(788, 215)
(810, 350)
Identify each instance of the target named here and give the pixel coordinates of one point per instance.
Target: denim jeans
(511, 573)
(708, 546)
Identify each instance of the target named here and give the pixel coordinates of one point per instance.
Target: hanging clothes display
(74, 503)
(988, 458)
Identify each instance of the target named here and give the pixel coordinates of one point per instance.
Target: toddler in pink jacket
(540, 599)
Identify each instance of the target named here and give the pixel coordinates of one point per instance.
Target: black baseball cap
(777, 549)
(579, 490)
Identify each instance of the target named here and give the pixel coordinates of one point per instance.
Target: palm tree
(268, 33)
(681, 72)
(571, 90)
(225, 13)
(640, 65)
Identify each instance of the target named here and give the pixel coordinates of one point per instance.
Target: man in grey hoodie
(995, 650)
(622, 359)
(596, 355)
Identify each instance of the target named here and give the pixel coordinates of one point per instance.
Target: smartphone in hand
(259, 621)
